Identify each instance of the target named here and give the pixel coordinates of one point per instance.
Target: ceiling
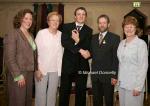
(70, 1)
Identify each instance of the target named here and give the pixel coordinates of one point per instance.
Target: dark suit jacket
(18, 53)
(104, 56)
(145, 38)
(72, 60)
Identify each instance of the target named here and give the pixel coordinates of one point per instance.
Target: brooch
(104, 42)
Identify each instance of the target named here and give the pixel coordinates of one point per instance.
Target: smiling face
(80, 16)
(103, 24)
(129, 30)
(130, 25)
(26, 21)
(53, 22)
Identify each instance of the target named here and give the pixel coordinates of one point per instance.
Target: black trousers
(66, 85)
(148, 79)
(148, 72)
(101, 89)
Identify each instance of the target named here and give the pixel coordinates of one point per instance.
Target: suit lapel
(82, 32)
(106, 37)
(24, 38)
(97, 39)
(73, 26)
(22, 35)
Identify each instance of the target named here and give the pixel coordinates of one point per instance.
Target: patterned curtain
(41, 11)
(61, 11)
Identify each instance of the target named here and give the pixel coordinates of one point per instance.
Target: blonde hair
(54, 13)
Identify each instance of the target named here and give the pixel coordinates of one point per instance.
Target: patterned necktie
(78, 28)
(100, 38)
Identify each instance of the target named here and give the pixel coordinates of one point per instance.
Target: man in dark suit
(104, 63)
(146, 38)
(76, 38)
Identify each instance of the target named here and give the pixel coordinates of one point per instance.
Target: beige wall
(116, 12)
(7, 12)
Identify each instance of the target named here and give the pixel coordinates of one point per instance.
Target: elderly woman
(50, 53)
(133, 64)
(20, 59)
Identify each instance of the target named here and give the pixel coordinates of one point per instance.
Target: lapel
(24, 38)
(28, 51)
(96, 40)
(82, 33)
(107, 37)
(73, 26)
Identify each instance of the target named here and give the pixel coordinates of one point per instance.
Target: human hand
(136, 92)
(75, 36)
(38, 75)
(85, 53)
(21, 82)
(113, 81)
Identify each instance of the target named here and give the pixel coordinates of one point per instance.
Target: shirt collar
(77, 24)
(104, 33)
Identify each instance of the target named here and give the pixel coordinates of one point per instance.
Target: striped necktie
(78, 28)
(100, 38)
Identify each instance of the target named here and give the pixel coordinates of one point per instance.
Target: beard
(103, 29)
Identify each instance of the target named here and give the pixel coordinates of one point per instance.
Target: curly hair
(19, 16)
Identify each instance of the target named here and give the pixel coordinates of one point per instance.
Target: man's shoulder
(94, 36)
(113, 35)
(68, 24)
(88, 28)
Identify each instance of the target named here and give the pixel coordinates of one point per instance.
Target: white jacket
(133, 64)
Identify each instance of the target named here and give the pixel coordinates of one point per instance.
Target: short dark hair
(80, 8)
(19, 16)
(103, 16)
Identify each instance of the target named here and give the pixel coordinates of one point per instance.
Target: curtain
(40, 15)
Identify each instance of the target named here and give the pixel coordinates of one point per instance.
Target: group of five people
(66, 53)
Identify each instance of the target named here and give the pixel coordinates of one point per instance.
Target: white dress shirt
(77, 24)
(104, 34)
(50, 51)
(133, 64)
